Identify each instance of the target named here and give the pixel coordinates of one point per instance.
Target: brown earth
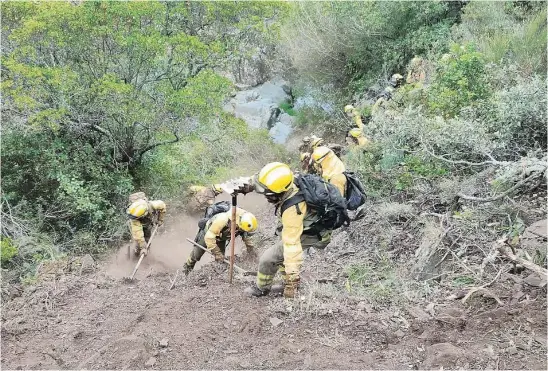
(98, 320)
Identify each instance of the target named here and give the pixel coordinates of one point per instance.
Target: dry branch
(498, 197)
(542, 272)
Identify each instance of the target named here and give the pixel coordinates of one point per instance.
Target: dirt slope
(99, 321)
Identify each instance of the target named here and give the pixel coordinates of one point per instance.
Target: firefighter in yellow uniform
(202, 197)
(355, 138)
(216, 235)
(309, 144)
(143, 216)
(354, 114)
(395, 82)
(298, 232)
(330, 167)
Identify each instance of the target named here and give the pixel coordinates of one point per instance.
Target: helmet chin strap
(273, 198)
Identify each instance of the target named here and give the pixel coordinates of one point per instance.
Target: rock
(418, 313)
(151, 361)
(428, 257)
(535, 280)
(444, 355)
(275, 321)
(399, 333)
(88, 264)
(164, 343)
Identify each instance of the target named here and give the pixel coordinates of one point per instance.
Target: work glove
(291, 287)
(218, 255)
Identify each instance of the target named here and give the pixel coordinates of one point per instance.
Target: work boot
(360, 212)
(255, 291)
(278, 289)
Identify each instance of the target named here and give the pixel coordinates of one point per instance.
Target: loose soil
(99, 320)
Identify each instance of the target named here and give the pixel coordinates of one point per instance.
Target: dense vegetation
(102, 98)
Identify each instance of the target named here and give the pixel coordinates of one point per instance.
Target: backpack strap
(292, 201)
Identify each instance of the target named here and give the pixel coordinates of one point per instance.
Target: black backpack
(355, 193)
(216, 208)
(324, 198)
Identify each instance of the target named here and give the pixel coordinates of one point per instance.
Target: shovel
(143, 254)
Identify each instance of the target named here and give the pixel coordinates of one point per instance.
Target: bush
(507, 32)
(357, 43)
(288, 108)
(7, 249)
(517, 117)
(460, 81)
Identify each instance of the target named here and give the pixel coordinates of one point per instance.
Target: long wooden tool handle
(142, 253)
(232, 237)
(206, 250)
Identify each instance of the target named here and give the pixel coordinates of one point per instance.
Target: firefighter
(143, 216)
(330, 167)
(354, 114)
(215, 235)
(395, 82)
(299, 228)
(355, 138)
(201, 197)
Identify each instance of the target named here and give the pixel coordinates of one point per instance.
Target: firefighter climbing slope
(308, 209)
(143, 216)
(330, 167)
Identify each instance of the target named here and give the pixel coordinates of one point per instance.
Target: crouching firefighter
(308, 209)
(143, 216)
(214, 232)
(202, 197)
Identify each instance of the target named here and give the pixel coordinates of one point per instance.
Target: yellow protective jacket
(362, 141)
(292, 228)
(218, 228)
(331, 169)
(156, 214)
(357, 119)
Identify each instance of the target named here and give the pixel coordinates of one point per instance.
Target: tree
(92, 88)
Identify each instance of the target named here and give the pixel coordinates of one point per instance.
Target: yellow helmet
(247, 222)
(320, 154)
(316, 142)
(348, 108)
(217, 188)
(275, 177)
(355, 132)
(138, 209)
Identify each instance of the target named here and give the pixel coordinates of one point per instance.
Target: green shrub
(358, 43)
(507, 32)
(288, 108)
(460, 81)
(8, 250)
